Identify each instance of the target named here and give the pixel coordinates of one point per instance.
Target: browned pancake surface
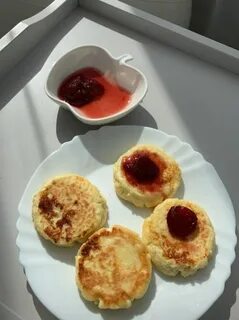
(68, 209)
(150, 193)
(173, 255)
(113, 268)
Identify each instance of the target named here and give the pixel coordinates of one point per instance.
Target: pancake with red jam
(68, 209)
(145, 176)
(179, 236)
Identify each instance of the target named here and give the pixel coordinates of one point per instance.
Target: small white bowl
(114, 69)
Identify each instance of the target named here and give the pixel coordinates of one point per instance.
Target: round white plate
(50, 270)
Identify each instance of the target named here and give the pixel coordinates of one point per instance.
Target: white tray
(194, 99)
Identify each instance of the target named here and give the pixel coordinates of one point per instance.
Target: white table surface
(187, 97)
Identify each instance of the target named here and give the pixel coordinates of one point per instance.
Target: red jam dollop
(141, 167)
(181, 221)
(79, 90)
(92, 94)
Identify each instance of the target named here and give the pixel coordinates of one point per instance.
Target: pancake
(173, 253)
(145, 176)
(113, 267)
(68, 209)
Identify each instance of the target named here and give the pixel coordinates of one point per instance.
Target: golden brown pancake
(68, 209)
(172, 254)
(113, 268)
(145, 176)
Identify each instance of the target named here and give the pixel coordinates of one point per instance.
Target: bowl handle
(124, 58)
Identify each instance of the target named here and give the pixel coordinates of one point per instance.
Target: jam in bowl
(94, 86)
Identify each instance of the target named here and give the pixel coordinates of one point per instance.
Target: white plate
(50, 270)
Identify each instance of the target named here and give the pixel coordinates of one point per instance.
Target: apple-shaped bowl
(116, 70)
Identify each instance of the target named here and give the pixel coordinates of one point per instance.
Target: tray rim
(37, 26)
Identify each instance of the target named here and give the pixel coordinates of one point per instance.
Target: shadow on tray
(68, 126)
(105, 145)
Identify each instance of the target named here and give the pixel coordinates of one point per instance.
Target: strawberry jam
(92, 94)
(81, 88)
(143, 169)
(181, 221)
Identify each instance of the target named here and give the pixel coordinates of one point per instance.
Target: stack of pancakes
(113, 265)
